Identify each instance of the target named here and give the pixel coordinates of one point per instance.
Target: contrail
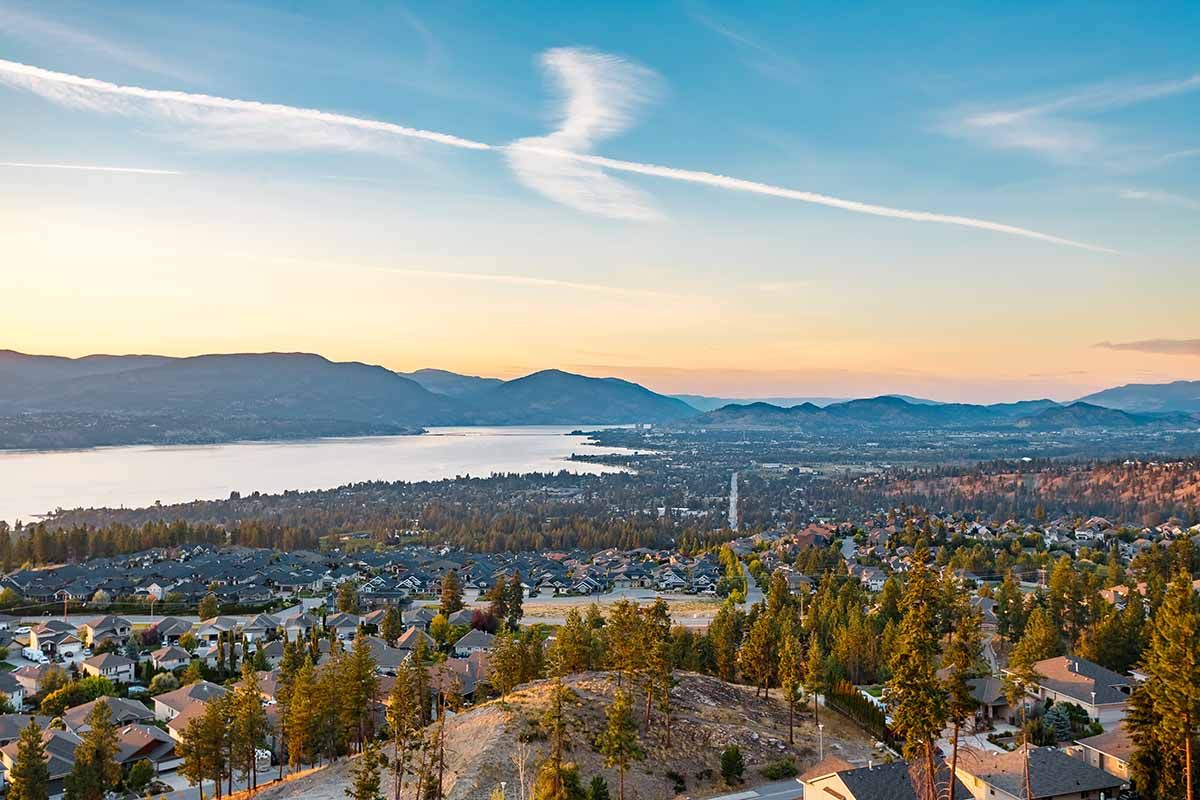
(90, 168)
(313, 130)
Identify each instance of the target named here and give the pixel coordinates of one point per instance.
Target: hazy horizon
(983, 204)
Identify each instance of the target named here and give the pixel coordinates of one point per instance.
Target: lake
(34, 483)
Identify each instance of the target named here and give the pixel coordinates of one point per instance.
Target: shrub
(778, 770)
(140, 775)
(733, 766)
(677, 780)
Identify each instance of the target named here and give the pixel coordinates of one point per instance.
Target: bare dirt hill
(708, 716)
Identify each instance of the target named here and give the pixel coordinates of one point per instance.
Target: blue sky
(1077, 125)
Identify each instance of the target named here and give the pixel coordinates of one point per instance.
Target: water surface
(34, 483)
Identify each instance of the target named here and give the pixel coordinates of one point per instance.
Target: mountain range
(52, 401)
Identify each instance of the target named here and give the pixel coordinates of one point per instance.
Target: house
(30, 677)
(211, 630)
(170, 658)
(171, 629)
(110, 665)
(136, 742)
(124, 712)
(13, 688)
(895, 781)
(60, 756)
(168, 706)
(1102, 693)
(1053, 775)
(1109, 751)
(297, 628)
(474, 641)
(343, 625)
(54, 637)
(99, 629)
(988, 693)
(11, 725)
(260, 628)
(408, 640)
(419, 617)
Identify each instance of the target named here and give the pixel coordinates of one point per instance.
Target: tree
(914, 694)
(497, 597)
(249, 726)
(1172, 667)
(791, 676)
(202, 747)
(757, 657)
(365, 783)
(359, 691)
(733, 766)
(452, 594)
(622, 638)
(188, 641)
(1039, 641)
(514, 598)
(404, 717)
(724, 637)
(598, 788)
(619, 740)
(96, 769)
(347, 597)
(962, 662)
(209, 607)
(29, 779)
(301, 717)
(163, 682)
(140, 775)
(392, 625)
(573, 645)
(816, 675)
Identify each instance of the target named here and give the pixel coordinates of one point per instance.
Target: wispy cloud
(1060, 127)
(34, 27)
(468, 277)
(1164, 198)
(757, 55)
(89, 168)
(601, 96)
(1163, 347)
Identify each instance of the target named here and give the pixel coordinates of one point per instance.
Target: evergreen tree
(757, 655)
(915, 696)
(598, 789)
(29, 779)
(733, 766)
(249, 726)
(1172, 667)
(515, 600)
(452, 594)
(359, 691)
(725, 637)
(301, 723)
(791, 676)
(202, 747)
(962, 660)
(816, 675)
(365, 782)
(347, 598)
(404, 718)
(96, 769)
(392, 625)
(619, 741)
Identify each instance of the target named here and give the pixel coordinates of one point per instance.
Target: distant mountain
(1149, 397)
(451, 384)
(556, 397)
(702, 402)
(52, 402)
(1083, 415)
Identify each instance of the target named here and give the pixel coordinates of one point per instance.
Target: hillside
(451, 384)
(556, 397)
(1149, 397)
(1081, 415)
(709, 716)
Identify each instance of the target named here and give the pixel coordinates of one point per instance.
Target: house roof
(201, 691)
(1077, 678)
(895, 781)
(1116, 742)
(135, 742)
(107, 661)
(476, 638)
(826, 766)
(1051, 772)
(123, 711)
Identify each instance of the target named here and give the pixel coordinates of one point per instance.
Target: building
(1109, 751)
(170, 658)
(110, 665)
(124, 712)
(168, 706)
(1102, 693)
(104, 628)
(474, 641)
(895, 781)
(60, 756)
(1053, 775)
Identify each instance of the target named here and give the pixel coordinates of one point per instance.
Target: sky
(983, 202)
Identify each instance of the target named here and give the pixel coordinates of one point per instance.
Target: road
(790, 789)
(147, 619)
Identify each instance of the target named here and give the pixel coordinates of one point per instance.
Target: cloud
(601, 94)
(89, 168)
(1058, 127)
(1165, 198)
(1162, 347)
(759, 56)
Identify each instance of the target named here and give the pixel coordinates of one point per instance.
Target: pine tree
(962, 660)
(300, 724)
(619, 741)
(816, 675)
(366, 781)
(515, 600)
(598, 788)
(622, 638)
(404, 718)
(1172, 666)
(914, 694)
(791, 676)
(392, 625)
(573, 644)
(359, 691)
(452, 594)
(347, 597)
(285, 681)
(29, 778)
(249, 727)
(757, 655)
(96, 769)
(202, 747)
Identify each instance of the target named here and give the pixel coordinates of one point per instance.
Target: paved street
(779, 790)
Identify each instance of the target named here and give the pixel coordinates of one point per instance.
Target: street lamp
(502, 785)
(821, 739)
